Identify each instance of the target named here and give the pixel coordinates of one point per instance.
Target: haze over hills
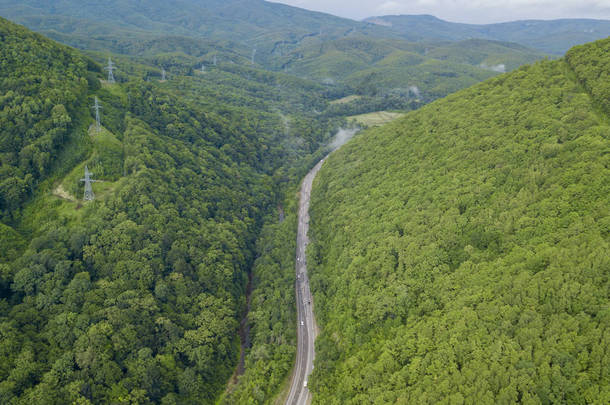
(554, 36)
(269, 27)
(379, 59)
(368, 59)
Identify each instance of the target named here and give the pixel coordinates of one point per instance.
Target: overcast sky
(471, 11)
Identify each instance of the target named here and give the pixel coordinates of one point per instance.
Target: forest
(137, 296)
(42, 86)
(460, 254)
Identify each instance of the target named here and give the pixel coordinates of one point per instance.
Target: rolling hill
(460, 254)
(271, 28)
(395, 74)
(358, 58)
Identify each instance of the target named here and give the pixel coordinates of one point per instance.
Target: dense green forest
(137, 296)
(41, 87)
(272, 317)
(460, 254)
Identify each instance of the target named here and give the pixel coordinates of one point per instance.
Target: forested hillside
(42, 85)
(390, 67)
(137, 296)
(460, 254)
(271, 28)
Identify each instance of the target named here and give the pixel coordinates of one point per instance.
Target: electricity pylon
(89, 196)
(252, 58)
(97, 107)
(215, 60)
(110, 68)
(163, 74)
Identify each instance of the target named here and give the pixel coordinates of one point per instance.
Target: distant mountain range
(554, 36)
(272, 29)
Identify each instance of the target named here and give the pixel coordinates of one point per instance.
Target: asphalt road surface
(306, 324)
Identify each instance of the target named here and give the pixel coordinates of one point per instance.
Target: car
(302, 323)
(305, 384)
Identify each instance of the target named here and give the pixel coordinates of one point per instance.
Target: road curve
(306, 323)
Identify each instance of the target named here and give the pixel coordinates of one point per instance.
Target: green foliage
(589, 63)
(42, 85)
(486, 54)
(272, 320)
(136, 296)
(393, 74)
(270, 27)
(460, 254)
(348, 56)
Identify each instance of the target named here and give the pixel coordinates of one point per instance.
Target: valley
(455, 248)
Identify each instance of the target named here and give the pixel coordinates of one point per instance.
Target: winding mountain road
(306, 323)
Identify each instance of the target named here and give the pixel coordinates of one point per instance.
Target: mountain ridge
(552, 36)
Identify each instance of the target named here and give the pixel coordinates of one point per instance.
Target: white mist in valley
(342, 136)
(500, 68)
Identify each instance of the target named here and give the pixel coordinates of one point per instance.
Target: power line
(110, 67)
(97, 107)
(88, 196)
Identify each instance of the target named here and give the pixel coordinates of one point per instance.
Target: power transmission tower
(215, 60)
(253, 53)
(89, 196)
(110, 68)
(97, 107)
(163, 74)
(203, 68)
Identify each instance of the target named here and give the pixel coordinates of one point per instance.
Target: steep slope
(137, 296)
(42, 87)
(555, 36)
(461, 253)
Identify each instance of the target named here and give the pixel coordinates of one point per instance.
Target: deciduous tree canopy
(461, 254)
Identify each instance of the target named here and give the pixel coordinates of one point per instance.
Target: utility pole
(97, 107)
(89, 196)
(110, 68)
